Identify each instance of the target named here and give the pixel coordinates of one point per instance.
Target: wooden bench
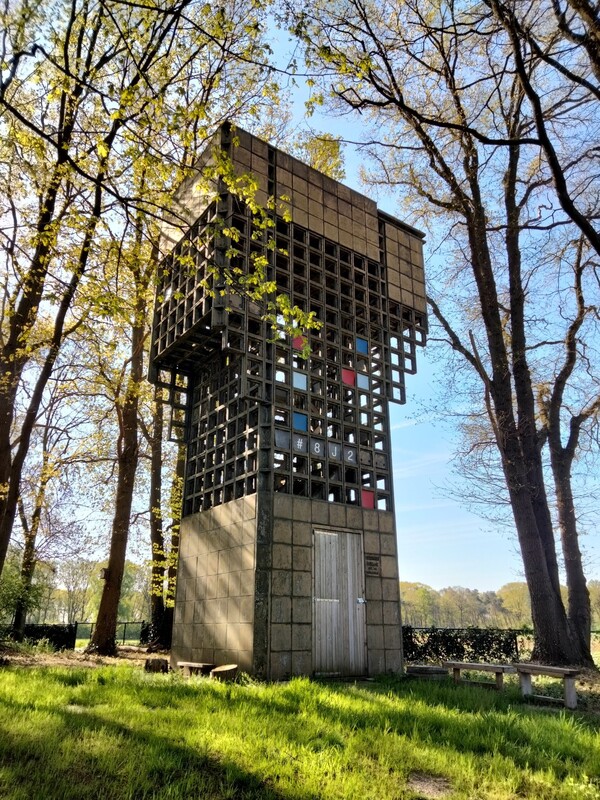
(194, 668)
(500, 670)
(568, 674)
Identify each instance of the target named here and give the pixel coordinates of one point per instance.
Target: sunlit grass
(116, 732)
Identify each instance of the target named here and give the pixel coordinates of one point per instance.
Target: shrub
(459, 644)
(59, 637)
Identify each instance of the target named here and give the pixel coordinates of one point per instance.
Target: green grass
(81, 644)
(116, 732)
(29, 647)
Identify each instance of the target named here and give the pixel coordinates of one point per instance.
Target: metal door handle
(361, 601)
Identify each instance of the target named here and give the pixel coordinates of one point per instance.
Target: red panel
(298, 342)
(349, 377)
(367, 498)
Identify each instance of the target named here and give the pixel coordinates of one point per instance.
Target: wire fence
(131, 632)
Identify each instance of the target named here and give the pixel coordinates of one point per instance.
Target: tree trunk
(29, 552)
(176, 511)
(579, 606)
(555, 642)
(157, 603)
(27, 571)
(103, 640)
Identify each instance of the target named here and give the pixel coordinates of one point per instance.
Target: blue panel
(300, 421)
(300, 381)
(362, 345)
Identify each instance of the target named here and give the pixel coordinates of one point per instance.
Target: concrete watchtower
(288, 561)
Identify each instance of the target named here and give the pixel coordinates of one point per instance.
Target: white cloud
(407, 423)
(417, 465)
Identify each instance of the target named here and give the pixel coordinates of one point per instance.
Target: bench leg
(525, 681)
(456, 674)
(499, 681)
(570, 693)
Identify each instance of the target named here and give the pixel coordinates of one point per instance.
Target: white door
(339, 618)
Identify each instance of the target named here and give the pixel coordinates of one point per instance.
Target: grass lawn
(117, 732)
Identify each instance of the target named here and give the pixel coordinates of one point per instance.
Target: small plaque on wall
(373, 565)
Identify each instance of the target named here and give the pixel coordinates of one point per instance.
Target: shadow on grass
(468, 721)
(37, 767)
(69, 750)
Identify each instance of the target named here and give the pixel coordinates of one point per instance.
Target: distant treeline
(457, 607)
(68, 590)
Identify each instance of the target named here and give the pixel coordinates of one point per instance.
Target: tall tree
(70, 87)
(77, 576)
(459, 132)
(123, 381)
(165, 515)
(91, 101)
(58, 444)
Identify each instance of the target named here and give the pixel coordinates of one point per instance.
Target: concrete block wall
(294, 519)
(214, 606)
(382, 592)
(405, 267)
(318, 203)
(328, 208)
(215, 601)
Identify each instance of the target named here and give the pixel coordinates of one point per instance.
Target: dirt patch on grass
(428, 787)
(135, 656)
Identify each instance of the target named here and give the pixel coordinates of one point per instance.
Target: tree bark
(29, 554)
(516, 440)
(103, 640)
(579, 606)
(176, 510)
(157, 542)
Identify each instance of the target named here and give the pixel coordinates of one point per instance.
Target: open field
(115, 733)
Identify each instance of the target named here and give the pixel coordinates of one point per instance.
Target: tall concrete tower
(288, 562)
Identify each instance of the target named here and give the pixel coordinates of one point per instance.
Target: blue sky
(440, 542)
